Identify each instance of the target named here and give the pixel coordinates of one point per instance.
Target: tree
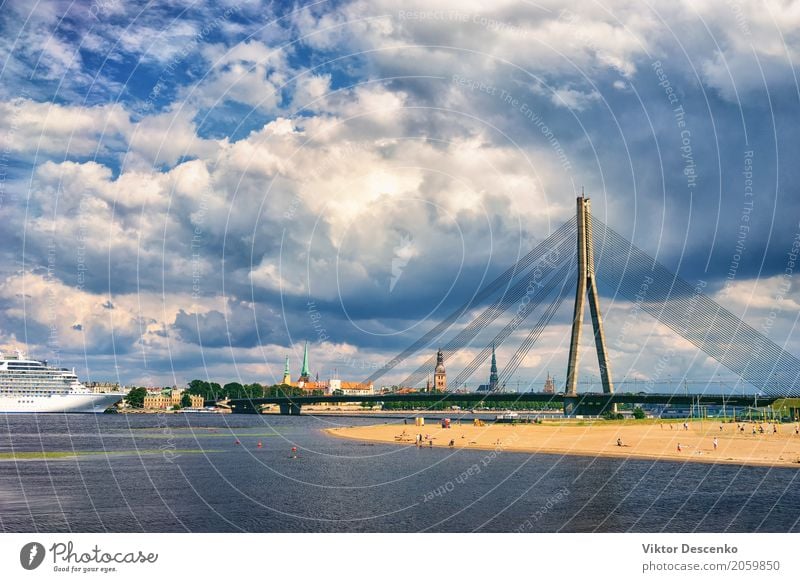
(135, 398)
(233, 390)
(186, 400)
(638, 413)
(611, 415)
(199, 387)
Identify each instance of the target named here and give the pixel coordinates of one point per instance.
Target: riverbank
(692, 442)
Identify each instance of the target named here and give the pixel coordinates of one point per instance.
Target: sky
(195, 189)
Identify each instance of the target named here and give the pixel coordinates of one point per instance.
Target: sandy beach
(639, 440)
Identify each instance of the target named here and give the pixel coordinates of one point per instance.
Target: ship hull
(87, 403)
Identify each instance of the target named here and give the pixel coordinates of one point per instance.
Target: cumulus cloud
(382, 160)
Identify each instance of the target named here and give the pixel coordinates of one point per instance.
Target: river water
(186, 472)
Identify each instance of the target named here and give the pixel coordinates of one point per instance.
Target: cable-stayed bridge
(557, 267)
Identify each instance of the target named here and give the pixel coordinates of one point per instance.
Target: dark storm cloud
(550, 101)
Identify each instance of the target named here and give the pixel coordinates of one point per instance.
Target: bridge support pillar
(244, 407)
(290, 409)
(586, 284)
(588, 405)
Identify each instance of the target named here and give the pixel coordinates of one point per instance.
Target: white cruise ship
(33, 386)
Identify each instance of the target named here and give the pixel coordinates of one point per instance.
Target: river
(186, 472)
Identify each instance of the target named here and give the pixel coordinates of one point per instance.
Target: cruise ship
(33, 386)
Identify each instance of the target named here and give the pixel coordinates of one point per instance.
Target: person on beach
(619, 442)
(679, 447)
(715, 443)
(685, 426)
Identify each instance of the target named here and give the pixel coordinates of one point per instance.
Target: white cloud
(51, 128)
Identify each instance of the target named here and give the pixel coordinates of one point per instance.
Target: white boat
(34, 386)
(507, 417)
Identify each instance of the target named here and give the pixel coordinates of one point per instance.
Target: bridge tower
(586, 283)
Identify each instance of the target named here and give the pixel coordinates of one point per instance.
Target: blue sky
(180, 180)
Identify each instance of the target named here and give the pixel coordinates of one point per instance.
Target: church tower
(440, 375)
(287, 378)
(493, 373)
(549, 385)
(305, 375)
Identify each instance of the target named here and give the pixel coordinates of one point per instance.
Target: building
(349, 388)
(307, 384)
(305, 375)
(549, 385)
(287, 377)
(440, 374)
(312, 386)
(493, 378)
(103, 387)
(158, 401)
(164, 401)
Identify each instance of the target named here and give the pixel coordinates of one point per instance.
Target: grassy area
(56, 455)
(629, 421)
(161, 435)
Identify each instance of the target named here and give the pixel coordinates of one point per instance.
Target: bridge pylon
(586, 285)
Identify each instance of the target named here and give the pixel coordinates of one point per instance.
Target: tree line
(213, 391)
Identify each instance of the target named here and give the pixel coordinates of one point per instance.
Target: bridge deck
(587, 398)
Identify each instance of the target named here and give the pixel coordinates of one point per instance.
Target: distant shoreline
(650, 441)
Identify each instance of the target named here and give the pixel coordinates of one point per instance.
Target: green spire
(304, 373)
(286, 367)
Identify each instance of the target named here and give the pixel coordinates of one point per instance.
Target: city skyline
(195, 193)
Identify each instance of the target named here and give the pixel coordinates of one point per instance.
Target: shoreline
(651, 441)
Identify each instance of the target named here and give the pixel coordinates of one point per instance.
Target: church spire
(305, 375)
(493, 372)
(287, 377)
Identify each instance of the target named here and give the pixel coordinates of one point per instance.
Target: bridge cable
(533, 281)
(566, 230)
(522, 313)
(738, 354)
(533, 336)
(692, 314)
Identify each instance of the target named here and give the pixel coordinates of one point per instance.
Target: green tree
(135, 398)
(186, 400)
(204, 389)
(638, 413)
(611, 415)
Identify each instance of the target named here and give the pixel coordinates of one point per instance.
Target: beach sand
(640, 440)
